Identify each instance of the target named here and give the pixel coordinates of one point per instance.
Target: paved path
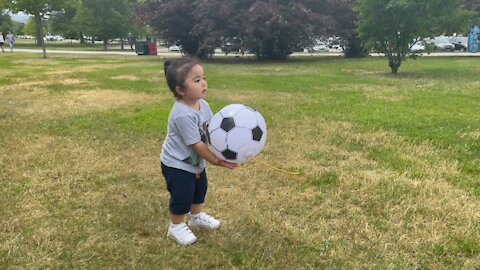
(91, 52)
(169, 54)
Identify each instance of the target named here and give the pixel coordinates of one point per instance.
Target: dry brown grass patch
(126, 77)
(40, 84)
(84, 68)
(473, 134)
(368, 209)
(40, 103)
(424, 154)
(67, 183)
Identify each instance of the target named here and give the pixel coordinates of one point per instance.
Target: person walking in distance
(2, 41)
(10, 40)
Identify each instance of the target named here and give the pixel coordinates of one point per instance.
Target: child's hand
(226, 164)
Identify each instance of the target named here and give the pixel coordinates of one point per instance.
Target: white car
(418, 46)
(175, 48)
(441, 44)
(319, 47)
(53, 38)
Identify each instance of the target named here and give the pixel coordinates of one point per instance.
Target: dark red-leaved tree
(183, 22)
(271, 29)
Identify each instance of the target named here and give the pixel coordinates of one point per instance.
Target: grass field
(389, 165)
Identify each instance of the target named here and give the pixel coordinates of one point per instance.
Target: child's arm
(202, 150)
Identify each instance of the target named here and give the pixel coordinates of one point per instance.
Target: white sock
(173, 226)
(196, 215)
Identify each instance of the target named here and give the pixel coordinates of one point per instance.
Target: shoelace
(205, 218)
(184, 231)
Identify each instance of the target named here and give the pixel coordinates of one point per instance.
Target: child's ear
(179, 90)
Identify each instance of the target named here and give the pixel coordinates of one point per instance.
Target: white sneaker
(181, 234)
(204, 221)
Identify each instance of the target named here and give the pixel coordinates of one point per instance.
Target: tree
(178, 22)
(342, 23)
(105, 19)
(275, 29)
(392, 26)
(271, 29)
(6, 23)
(471, 11)
(65, 21)
(39, 9)
(458, 20)
(4, 4)
(29, 28)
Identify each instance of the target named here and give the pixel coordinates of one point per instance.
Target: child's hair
(176, 72)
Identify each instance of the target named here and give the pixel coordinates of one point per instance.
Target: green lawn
(389, 165)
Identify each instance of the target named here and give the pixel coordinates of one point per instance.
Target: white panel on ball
(261, 122)
(231, 110)
(218, 139)
(216, 121)
(248, 152)
(246, 118)
(238, 137)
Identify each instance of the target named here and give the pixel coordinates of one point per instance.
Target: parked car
(418, 46)
(175, 48)
(231, 45)
(319, 47)
(53, 38)
(441, 44)
(460, 43)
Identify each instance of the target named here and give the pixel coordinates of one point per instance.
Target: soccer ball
(237, 133)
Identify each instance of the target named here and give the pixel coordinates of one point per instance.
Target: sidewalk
(169, 54)
(90, 52)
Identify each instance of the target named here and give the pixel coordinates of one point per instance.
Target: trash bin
(152, 48)
(141, 48)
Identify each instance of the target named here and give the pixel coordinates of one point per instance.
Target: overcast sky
(20, 17)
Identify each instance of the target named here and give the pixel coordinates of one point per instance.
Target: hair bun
(166, 65)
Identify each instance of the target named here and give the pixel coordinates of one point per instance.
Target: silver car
(441, 44)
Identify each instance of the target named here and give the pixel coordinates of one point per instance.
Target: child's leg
(176, 219)
(181, 185)
(198, 218)
(201, 186)
(196, 208)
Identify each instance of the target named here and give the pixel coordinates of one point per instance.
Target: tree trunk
(394, 64)
(82, 38)
(121, 42)
(104, 44)
(39, 33)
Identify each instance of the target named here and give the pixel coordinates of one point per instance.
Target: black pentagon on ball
(257, 133)
(227, 124)
(229, 154)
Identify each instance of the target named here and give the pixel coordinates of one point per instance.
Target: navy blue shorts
(185, 189)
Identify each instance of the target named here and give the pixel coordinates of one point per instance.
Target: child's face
(195, 85)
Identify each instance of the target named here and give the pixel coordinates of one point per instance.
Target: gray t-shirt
(186, 127)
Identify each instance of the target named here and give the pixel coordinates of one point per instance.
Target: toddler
(185, 150)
